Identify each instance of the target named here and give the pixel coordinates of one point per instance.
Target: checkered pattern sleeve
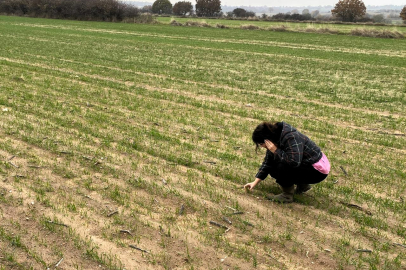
(292, 152)
(266, 166)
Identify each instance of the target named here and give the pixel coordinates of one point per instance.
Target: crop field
(126, 146)
(292, 26)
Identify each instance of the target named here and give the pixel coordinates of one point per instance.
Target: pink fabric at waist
(323, 165)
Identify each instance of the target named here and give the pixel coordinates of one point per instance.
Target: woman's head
(266, 131)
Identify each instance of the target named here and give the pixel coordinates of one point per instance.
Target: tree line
(203, 8)
(114, 10)
(95, 10)
(344, 10)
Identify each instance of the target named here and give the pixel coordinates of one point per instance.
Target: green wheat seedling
(121, 135)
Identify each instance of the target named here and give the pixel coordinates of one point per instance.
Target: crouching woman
(291, 158)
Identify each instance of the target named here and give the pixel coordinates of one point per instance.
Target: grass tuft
(175, 23)
(377, 33)
(198, 24)
(249, 27)
(278, 28)
(222, 26)
(324, 30)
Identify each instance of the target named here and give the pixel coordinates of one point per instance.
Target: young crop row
(140, 135)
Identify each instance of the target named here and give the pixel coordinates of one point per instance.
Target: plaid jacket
(294, 149)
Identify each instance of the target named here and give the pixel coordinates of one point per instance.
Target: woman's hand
(270, 146)
(250, 186)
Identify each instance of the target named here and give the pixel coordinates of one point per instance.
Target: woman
(291, 158)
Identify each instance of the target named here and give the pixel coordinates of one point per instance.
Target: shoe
(300, 189)
(285, 197)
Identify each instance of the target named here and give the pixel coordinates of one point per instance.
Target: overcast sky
(301, 3)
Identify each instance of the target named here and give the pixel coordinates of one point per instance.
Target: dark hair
(266, 131)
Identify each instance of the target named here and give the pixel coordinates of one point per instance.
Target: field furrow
(114, 135)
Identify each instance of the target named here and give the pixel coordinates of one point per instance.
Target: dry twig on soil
(364, 250)
(394, 134)
(235, 210)
(248, 223)
(356, 207)
(227, 220)
(112, 213)
(65, 152)
(182, 209)
(13, 164)
(219, 225)
(58, 263)
(137, 248)
(56, 223)
(126, 231)
(400, 245)
(210, 162)
(344, 171)
(34, 166)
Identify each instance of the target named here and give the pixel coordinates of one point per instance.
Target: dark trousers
(287, 176)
